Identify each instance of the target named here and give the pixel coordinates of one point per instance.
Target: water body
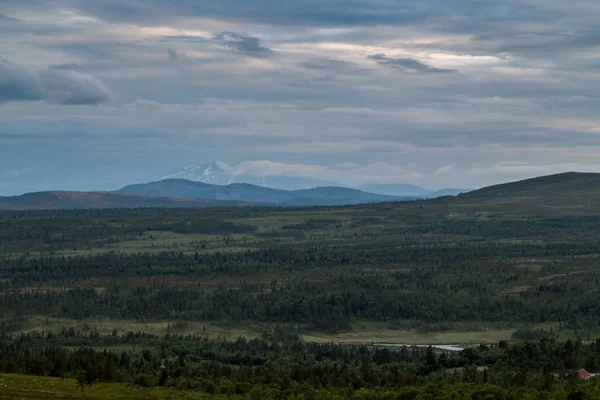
(447, 347)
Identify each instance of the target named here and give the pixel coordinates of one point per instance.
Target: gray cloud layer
(314, 12)
(437, 93)
(52, 85)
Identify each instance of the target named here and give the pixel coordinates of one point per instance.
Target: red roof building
(584, 375)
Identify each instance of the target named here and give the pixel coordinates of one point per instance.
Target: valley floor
(184, 286)
(361, 332)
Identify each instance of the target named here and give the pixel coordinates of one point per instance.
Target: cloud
(373, 172)
(457, 16)
(68, 67)
(446, 170)
(148, 104)
(270, 168)
(247, 45)
(19, 172)
(527, 87)
(51, 85)
(328, 65)
(4, 18)
(409, 65)
(516, 170)
(292, 12)
(187, 38)
(172, 54)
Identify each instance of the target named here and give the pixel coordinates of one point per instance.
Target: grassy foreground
(40, 387)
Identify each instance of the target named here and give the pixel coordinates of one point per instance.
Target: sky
(95, 94)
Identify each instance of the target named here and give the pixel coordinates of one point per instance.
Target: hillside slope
(85, 200)
(565, 191)
(252, 193)
(550, 185)
(407, 190)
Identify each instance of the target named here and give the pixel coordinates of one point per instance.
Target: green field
(364, 332)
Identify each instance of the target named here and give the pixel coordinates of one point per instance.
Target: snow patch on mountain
(253, 172)
(214, 172)
(289, 177)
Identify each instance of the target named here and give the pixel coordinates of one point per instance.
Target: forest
(262, 302)
(281, 365)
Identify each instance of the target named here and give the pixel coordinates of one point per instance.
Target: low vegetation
(445, 271)
(280, 365)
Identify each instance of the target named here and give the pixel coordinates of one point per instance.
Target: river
(447, 347)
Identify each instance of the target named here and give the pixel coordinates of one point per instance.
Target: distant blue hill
(405, 189)
(330, 195)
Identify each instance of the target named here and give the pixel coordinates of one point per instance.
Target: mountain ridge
(65, 199)
(220, 173)
(565, 192)
(407, 189)
(571, 180)
(326, 195)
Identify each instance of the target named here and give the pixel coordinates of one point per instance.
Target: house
(583, 374)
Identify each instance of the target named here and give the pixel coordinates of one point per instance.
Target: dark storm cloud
(247, 45)
(50, 85)
(409, 65)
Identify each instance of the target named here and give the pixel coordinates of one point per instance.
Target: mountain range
(220, 173)
(59, 199)
(329, 195)
(572, 192)
(170, 193)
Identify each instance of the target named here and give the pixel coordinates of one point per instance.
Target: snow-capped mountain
(216, 172)
(264, 173)
(220, 173)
